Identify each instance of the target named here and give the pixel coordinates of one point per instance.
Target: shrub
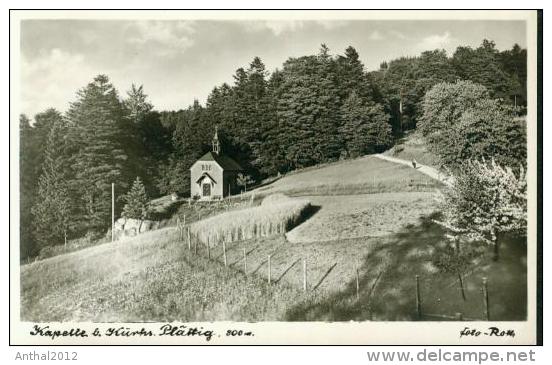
(260, 221)
(244, 180)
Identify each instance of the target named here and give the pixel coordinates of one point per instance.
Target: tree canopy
(313, 109)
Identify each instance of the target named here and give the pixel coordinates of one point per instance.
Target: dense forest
(314, 109)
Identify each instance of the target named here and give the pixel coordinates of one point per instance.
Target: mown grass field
(371, 215)
(364, 175)
(363, 215)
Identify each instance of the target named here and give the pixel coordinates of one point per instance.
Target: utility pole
(112, 211)
(401, 109)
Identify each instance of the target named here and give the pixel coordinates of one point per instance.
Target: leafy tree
(444, 104)
(244, 180)
(402, 84)
(137, 202)
(514, 62)
(488, 130)
(461, 122)
(52, 210)
(174, 177)
(365, 128)
(485, 202)
(482, 65)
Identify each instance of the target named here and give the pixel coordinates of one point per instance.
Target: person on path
(414, 163)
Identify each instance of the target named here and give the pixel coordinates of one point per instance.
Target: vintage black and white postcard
(273, 177)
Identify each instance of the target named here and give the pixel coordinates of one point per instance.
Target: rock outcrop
(129, 227)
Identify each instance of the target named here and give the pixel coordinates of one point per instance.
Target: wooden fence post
(418, 298)
(224, 252)
(269, 269)
(208, 248)
(486, 299)
(195, 245)
(182, 227)
(244, 262)
(304, 274)
(188, 237)
(357, 285)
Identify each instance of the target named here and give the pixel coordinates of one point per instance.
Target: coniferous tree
(308, 110)
(328, 144)
(43, 122)
(137, 202)
(32, 152)
(27, 186)
(351, 76)
(191, 139)
(147, 139)
(52, 210)
(258, 112)
(271, 155)
(137, 104)
(97, 119)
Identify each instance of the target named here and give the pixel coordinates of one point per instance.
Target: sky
(179, 61)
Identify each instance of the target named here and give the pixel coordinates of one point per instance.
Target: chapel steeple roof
(216, 143)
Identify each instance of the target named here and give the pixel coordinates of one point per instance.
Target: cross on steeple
(216, 143)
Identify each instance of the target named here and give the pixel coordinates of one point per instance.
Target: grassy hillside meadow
(370, 216)
(364, 175)
(150, 278)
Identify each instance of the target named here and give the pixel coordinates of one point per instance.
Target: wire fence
(426, 306)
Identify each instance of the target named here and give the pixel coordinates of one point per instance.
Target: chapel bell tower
(216, 143)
